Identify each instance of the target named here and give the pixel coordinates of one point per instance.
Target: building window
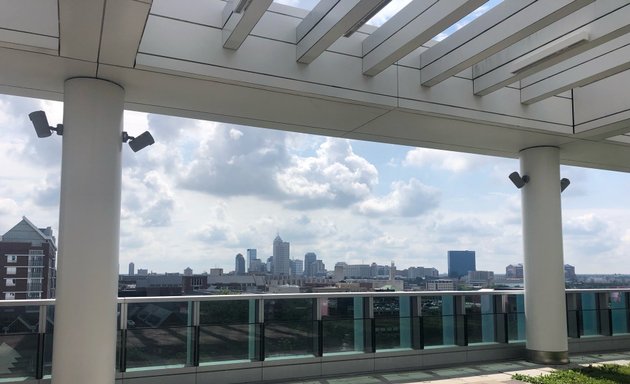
(10, 282)
(35, 251)
(9, 295)
(11, 270)
(11, 258)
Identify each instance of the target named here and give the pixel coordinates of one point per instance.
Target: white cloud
(46, 194)
(445, 160)
(335, 176)
(227, 163)
(405, 200)
(387, 12)
(8, 207)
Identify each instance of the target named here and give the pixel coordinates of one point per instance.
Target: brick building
(27, 262)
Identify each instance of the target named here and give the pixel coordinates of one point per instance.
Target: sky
(207, 191)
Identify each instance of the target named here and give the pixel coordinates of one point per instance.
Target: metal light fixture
(518, 180)
(139, 142)
(564, 183)
(42, 128)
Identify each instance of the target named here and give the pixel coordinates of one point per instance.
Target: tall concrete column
(545, 303)
(84, 348)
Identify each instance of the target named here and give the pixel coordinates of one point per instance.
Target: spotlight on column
(564, 183)
(40, 122)
(139, 142)
(518, 181)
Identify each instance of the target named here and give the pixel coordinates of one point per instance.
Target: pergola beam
(606, 60)
(239, 18)
(407, 30)
(601, 21)
(330, 20)
(490, 33)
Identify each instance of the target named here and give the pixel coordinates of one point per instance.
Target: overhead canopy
(523, 74)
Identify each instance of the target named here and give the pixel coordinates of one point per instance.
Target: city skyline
(207, 191)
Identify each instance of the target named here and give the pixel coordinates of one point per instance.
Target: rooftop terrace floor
(482, 373)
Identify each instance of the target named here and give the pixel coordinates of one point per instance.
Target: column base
(546, 357)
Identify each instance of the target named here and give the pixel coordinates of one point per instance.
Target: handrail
(271, 296)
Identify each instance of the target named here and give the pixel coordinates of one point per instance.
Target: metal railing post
(122, 353)
(461, 322)
(41, 342)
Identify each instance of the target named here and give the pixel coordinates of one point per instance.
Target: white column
(84, 347)
(545, 303)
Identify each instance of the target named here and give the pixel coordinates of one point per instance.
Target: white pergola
(546, 81)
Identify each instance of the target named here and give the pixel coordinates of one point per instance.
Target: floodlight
(518, 181)
(42, 128)
(564, 183)
(139, 142)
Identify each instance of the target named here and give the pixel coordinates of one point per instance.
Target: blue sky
(207, 191)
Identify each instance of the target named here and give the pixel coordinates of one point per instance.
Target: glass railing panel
(159, 314)
(392, 322)
(226, 343)
(48, 340)
(515, 308)
(228, 331)
(224, 312)
(290, 328)
(290, 339)
(19, 319)
(574, 328)
(19, 327)
(159, 335)
(619, 312)
(340, 336)
(393, 333)
(438, 321)
(151, 348)
(589, 314)
(289, 309)
(18, 356)
(488, 325)
(343, 325)
(516, 326)
(480, 319)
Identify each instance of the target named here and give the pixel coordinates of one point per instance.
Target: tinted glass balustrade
(290, 328)
(343, 325)
(196, 331)
(19, 341)
(159, 335)
(228, 331)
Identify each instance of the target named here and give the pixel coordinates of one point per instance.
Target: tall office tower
(319, 268)
(132, 268)
(297, 267)
(239, 268)
(27, 262)
(252, 254)
(269, 265)
(309, 259)
(281, 256)
(460, 262)
(569, 272)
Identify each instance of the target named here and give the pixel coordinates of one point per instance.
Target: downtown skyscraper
(281, 257)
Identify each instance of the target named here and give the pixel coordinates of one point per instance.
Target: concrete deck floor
(492, 373)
